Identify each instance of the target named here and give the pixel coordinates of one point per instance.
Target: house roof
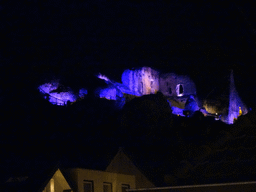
(140, 155)
(151, 159)
(122, 163)
(36, 175)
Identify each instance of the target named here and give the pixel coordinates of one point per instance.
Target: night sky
(68, 39)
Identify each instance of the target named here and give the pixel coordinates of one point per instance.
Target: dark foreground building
(221, 187)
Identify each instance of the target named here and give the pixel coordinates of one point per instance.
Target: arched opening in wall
(179, 90)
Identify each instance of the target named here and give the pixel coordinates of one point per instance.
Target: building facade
(85, 180)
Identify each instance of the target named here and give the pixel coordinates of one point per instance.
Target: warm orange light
(240, 111)
(52, 185)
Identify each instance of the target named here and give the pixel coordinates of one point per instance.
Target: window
(124, 187)
(88, 186)
(107, 187)
(141, 87)
(179, 90)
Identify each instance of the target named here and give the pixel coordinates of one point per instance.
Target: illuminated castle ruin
(145, 81)
(179, 90)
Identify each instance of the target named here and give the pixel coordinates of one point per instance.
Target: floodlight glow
(100, 76)
(108, 93)
(56, 98)
(82, 92)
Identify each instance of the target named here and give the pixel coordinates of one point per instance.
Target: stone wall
(176, 85)
(142, 81)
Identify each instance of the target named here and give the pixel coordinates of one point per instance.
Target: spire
(236, 106)
(232, 98)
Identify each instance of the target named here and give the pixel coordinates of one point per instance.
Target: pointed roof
(235, 102)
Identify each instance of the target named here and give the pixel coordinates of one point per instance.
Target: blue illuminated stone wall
(57, 98)
(83, 92)
(141, 81)
(170, 81)
(107, 93)
(236, 106)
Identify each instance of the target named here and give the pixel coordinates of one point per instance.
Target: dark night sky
(66, 39)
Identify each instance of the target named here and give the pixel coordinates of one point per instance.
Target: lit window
(240, 111)
(88, 186)
(124, 187)
(107, 187)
